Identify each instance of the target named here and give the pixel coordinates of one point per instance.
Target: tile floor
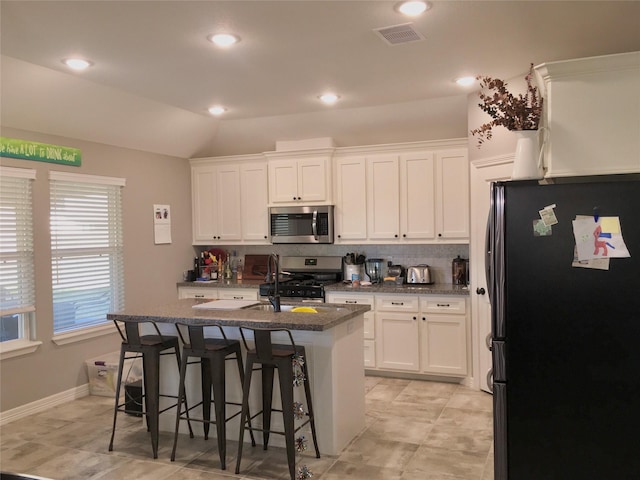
(416, 430)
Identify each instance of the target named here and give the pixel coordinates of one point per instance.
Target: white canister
(352, 272)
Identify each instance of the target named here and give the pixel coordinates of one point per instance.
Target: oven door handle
(314, 225)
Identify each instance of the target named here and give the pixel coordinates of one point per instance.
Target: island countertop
(182, 311)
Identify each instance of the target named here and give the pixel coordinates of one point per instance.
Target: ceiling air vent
(398, 34)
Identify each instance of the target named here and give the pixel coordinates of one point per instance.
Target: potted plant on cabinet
(518, 113)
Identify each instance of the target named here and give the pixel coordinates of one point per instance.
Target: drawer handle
(397, 303)
(444, 304)
(350, 301)
(199, 296)
(238, 298)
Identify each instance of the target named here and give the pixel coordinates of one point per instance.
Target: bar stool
(213, 354)
(151, 347)
(271, 356)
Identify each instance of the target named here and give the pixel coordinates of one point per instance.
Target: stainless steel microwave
(301, 224)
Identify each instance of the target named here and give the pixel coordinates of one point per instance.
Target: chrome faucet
(275, 298)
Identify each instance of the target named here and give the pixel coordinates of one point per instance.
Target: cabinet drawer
(443, 305)
(237, 294)
(186, 292)
(354, 299)
(405, 303)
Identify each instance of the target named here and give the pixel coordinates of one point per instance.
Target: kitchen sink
(296, 308)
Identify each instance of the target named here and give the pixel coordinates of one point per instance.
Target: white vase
(527, 164)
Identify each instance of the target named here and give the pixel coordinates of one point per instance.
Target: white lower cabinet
(443, 336)
(423, 334)
(213, 293)
(398, 343)
(369, 322)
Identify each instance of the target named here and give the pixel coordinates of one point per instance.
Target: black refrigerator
(565, 333)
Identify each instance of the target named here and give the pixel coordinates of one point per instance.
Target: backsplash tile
(438, 257)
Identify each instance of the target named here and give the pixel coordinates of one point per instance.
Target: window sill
(16, 348)
(83, 334)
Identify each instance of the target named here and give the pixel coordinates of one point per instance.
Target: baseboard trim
(44, 404)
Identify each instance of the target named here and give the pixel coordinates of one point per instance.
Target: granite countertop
(224, 284)
(410, 289)
(407, 289)
(181, 311)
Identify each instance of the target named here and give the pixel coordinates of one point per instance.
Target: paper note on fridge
(601, 238)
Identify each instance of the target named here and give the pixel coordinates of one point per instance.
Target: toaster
(419, 274)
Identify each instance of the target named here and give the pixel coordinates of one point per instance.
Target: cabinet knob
(424, 319)
(480, 291)
(299, 198)
(265, 236)
(415, 318)
(404, 235)
(396, 235)
(439, 234)
(294, 198)
(339, 236)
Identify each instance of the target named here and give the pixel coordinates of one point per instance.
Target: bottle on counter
(239, 269)
(227, 271)
(214, 268)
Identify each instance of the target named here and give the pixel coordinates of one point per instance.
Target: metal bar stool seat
(270, 357)
(212, 354)
(151, 348)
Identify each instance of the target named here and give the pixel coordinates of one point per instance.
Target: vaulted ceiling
(154, 73)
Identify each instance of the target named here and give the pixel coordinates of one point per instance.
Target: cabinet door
(312, 180)
(444, 344)
(283, 181)
(370, 353)
(351, 200)
(228, 202)
(417, 196)
(397, 341)
(383, 198)
(452, 217)
(253, 202)
(203, 203)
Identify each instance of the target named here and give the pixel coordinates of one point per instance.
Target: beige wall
(151, 271)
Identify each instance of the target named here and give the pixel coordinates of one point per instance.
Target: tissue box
(103, 373)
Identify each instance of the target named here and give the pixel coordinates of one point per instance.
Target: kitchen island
(333, 339)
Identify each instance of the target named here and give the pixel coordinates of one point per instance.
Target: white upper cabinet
(417, 196)
(229, 201)
(404, 193)
(350, 219)
(452, 195)
(299, 178)
(383, 197)
(592, 110)
(253, 199)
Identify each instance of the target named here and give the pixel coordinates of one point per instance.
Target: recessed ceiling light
(329, 98)
(77, 63)
(217, 110)
(223, 39)
(413, 8)
(465, 81)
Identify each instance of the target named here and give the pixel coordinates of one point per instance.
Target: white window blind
(17, 285)
(86, 249)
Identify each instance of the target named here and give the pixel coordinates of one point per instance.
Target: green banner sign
(40, 152)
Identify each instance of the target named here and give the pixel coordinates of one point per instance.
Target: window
(86, 249)
(17, 285)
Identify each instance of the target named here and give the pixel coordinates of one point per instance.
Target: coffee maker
(374, 268)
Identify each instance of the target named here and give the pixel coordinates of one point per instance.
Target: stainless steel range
(302, 279)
